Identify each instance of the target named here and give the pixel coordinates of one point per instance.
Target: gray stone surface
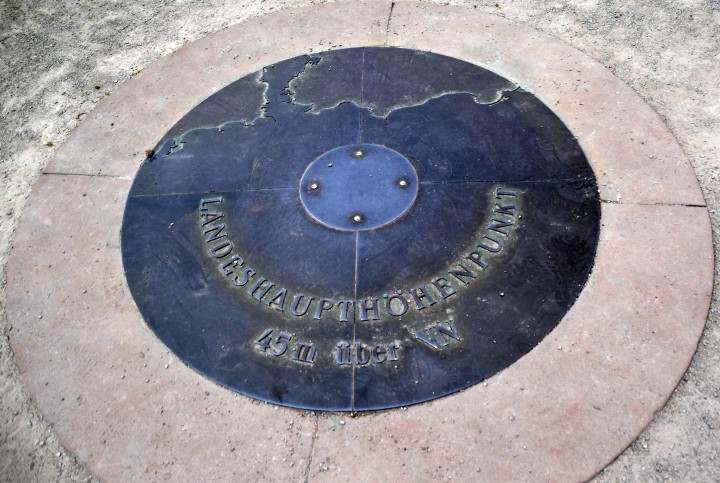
(54, 57)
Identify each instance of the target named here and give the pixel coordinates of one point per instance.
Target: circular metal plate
(358, 187)
(389, 227)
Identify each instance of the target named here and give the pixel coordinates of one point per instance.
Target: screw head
(357, 218)
(359, 153)
(314, 186)
(403, 182)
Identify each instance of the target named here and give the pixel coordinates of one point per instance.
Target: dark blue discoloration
(224, 191)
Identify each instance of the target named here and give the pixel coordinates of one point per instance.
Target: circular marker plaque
(360, 229)
(358, 187)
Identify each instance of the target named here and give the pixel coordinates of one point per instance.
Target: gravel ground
(58, 59)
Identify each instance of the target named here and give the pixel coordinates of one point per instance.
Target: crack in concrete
(510, 181)
(90, 175)
(634, 203)
(387, 25)
(316, 430)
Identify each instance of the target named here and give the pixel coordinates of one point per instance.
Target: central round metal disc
(360, 229)
(358, 187)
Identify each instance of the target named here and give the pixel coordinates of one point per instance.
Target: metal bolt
(314, 186)
(359, 153)
(403, 183)
(357, 218)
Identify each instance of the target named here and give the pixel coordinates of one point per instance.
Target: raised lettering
(501, 192)
(278, 301)
(448, 329)
(281, 344)
(492, 249)
(245, 275)
(305, 352)
(399, 307)
(209, 201)
(208, 218)
(362, 354)
(438, 335)
(257, 291)
(294, 307)
(364, 309)
(322, 306)
(427, 339)
(392, 351)
(508, 210)
(222, 250)
(380, 354)
(344, 306)
(234, 262)
(419, 294)
(215, 233)
(462, 274)
(498, 225)
(443, 287)
(342, 353)
(263, 342)
(476, 258)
